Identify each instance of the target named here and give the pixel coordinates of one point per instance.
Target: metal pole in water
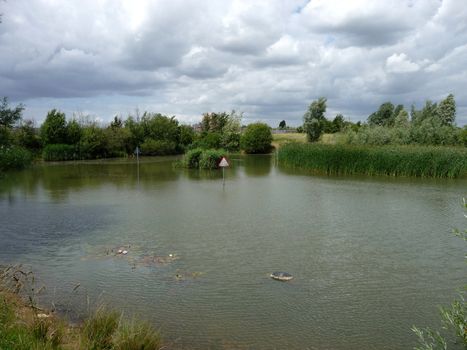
(223, 176)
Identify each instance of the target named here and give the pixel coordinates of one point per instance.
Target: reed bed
(417, 161)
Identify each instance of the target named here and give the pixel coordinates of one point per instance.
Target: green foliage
(14, 158)
(187, 135)
(137, 336)
(446, 111)
(314, 119)
(230, 138)
(27, 136)
(442, 162)
(93, 143)
(54, 130)
(402, 119)
(199, 158)
(300, 129)
(214, 122)
(74, 132)
(282, 124)
(211, 158)
(9, 116)
(60, 152)
(100, 329)
(151, 147)
(257, 138)
(209, 140)
(192, 157)
(384, 116)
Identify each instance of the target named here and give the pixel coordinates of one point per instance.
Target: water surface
(371, 256)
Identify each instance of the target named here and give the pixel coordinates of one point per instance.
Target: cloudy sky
(268, 59)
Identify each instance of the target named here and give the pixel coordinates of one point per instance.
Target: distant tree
(257, 138)
(314, 119)
(73, 132)
(384, 116)
(187, 135)
(214, 122)
(116, 123)
(9, 116)
(300, 129)
(231, 132)
(27, 136)
(402, 119)
(446, 110)
(428, 111)
(282, 125)
(54, 130)
(338, 123)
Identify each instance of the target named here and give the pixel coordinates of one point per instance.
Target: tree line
(433, 124)
(154, 134)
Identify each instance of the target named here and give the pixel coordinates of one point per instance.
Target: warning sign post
(223, 164)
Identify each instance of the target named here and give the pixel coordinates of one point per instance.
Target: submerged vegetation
(388, 160)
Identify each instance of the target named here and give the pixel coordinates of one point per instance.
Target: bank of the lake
(416, 161)
(24, 325)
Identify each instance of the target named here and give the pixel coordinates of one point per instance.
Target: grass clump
(137, 336)
(418, 161)
(100, 328)
(199, 158)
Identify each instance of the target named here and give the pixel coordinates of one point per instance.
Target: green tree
(73, 132)
(384, 116)
(54, 130)
(8, 118)
(257, 138)
(338, 123)
(402, 119)
(446, 110)
(282, 124)
(187, 135)
(230, 139)
(27, 136)
(314, 119)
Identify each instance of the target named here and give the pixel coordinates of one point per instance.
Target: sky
(266, 58)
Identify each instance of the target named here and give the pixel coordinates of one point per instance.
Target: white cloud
(269, 59)
(400, 63)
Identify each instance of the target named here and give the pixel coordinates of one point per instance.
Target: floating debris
(281, 276)
(182, 276)
(149, 260)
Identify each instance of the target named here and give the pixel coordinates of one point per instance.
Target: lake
(371, 257)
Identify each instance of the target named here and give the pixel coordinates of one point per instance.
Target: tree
(9, 116)
(230, 138)
(54, 130)
(402, 119)
(338, 123)
(313, 120)
(257, 138)
(446, 110)
(384, 116)
(282, 125)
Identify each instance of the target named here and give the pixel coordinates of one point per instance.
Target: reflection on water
(370, 256)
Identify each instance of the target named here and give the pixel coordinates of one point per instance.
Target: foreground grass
(22, 327)
(439, 162)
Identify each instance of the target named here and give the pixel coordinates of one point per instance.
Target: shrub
(192, 157)
(257, 138)
(203, 159)
(152, 147)
(210, 158)
(14, 158)
(57, 152)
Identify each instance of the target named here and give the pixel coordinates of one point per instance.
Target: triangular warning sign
(224, 162)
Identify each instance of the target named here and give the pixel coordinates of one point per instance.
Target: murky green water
(370, 256)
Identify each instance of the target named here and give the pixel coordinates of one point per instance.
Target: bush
(257, 138)
(14, 158)
(57, 152)
(210, 158)
(203, 159)
(152, 147)
(192, 157)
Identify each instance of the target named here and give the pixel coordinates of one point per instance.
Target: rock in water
(281, 276)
